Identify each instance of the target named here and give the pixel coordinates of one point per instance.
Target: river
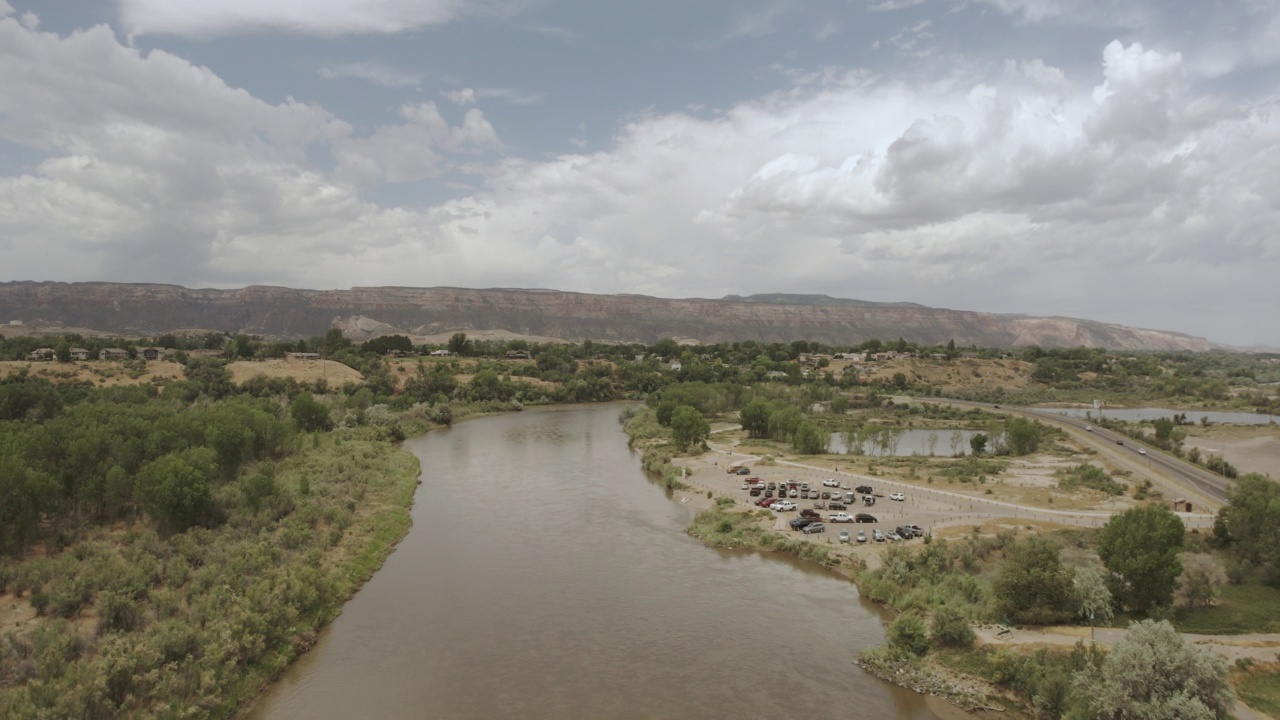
(546, 577)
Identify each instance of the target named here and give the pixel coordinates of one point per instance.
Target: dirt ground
(335, 373)
(105, 373)
(1250, 448)
(969, 373)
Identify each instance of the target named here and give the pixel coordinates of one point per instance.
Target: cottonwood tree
(1141, 546)
(1152, 673)
(1032, 585)
(1250, 523)
(809, 440)
(688, 427)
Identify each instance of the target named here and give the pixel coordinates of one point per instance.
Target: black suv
(905, 532)
(801, 522)
(864, 489)
(864, 518)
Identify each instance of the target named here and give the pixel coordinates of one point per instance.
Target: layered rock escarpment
(289, 313)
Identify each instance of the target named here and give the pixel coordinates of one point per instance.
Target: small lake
(908, 442)
(1139, 414)
(546, 577)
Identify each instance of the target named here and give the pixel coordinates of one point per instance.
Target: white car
(1088, 428)
(862, 536)
(898, 496)
(783, 506)
(1142, 451)
(840, 518)
(844, 536)
(879, 536)
(746, 486)
(830, 483)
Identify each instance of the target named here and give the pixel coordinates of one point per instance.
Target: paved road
(1188, 477)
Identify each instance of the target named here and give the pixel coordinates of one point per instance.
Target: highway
(1187, 476)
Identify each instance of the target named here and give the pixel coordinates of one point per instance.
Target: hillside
(139, 309)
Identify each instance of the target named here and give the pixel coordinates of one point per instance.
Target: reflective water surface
(546, 577)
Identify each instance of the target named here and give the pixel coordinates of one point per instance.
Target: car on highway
(813, 528)
(1088, 428)
(840, 517)
(1119, 441)
(864, 518)
(1142, 451)
(897, 496)
(844, 536)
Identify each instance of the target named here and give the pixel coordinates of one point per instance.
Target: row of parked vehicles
(810, 521)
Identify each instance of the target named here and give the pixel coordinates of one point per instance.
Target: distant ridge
(148, 309)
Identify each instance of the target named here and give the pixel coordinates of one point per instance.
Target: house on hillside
(675, 366)
(79, 354)
(113, 354)
(775, 374)
(41, 354)
(157, 353)
(441, 353)
(302, 356)
(206, 353)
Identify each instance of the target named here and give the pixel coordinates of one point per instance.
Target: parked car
(793, 493)
(879, 536)
(768, 493)
(830, 482)
(804, 486)
(844, 536)
(808, 512)
(744, 470)
(771, 486)
(813, 528)
(746, 486)
(864, 518)
(837, 506)
(862, 537)
(733, 469)
(825, 495)
(804, 495)
(894, 537)
(916, 530)
(800, 522)
(864, 489)
(783, 506)
(767, 502)
(755, 491)
(904, 532)
(897, 496)
(848, 497)
(840, 517)
(868, 500)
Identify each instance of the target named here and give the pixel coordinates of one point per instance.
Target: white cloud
(759, 21)
(888, 5)
(373, 72)
(1123, 195)
(510, 96)
(326, 17)
(5, 9)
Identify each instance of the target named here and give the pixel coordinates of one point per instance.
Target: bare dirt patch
(961, 373)
(335, 373)
(1250, 448)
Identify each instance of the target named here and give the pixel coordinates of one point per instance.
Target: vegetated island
(181, 513)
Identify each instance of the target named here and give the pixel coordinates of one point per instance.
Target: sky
(1104, 159)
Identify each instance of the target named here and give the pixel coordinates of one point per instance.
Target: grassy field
(1240, 609)
(1261, 691)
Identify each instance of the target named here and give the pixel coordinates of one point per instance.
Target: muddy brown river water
(545, 577)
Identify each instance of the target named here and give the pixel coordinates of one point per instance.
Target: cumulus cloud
(1023, 189)
(330, 17)
(372, 72)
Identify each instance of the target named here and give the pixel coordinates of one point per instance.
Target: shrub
(950, 628)
(907, 633)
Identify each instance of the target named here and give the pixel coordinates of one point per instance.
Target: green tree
(1250, 523)
(1152, 673)
(978, 443)
(809, 440)
(1023, 436)
(1032, 586)
(309, 415)
(1141, 546)
(907, 633)
(755, 418)
(950, 628)
(458, 344)
(688, 427)
(177, 489)
(1164, 429)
